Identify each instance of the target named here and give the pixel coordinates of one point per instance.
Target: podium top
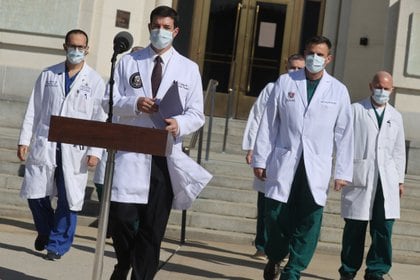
(121, 137)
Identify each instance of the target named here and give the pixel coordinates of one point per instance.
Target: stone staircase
(226, 209)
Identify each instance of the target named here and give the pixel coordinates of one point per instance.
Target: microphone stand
(106, 194)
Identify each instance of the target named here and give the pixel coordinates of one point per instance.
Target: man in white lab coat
(70, 89)
(145, 187)
(307, 121)
(374, 195)
(295, 62)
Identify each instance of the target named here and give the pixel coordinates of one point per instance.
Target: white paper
(267, 34)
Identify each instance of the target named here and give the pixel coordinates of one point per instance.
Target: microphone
(122, 42)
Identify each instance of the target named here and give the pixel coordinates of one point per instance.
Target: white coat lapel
(79, 78)
(323, 86)
(61, 80)
(302, 91)
(371, 112)
(143, 68)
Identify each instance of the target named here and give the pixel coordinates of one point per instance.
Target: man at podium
(154, 87)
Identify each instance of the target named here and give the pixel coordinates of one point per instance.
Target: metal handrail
(211, 90)
(198, 135)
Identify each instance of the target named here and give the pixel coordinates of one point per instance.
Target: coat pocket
(360, 172)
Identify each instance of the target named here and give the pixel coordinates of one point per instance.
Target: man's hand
(22, 150)
(248, 157)
(147, 105)
(260, 173)
(92, 161)
(172, 126)
(339, 184)
(401, 189)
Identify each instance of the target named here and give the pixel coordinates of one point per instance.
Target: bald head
(381, 87)
(383, 76)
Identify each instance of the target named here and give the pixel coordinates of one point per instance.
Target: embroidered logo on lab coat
(181, 85)
(135, 80)
(52, 83)
(291, 96)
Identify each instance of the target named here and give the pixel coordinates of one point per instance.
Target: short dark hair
(317, 40)
(77, 31)
(295, 56)
(165, 11)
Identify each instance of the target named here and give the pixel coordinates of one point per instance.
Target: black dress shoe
(40, 242)
(119, 274)
(52, 256)
(373, 277)
(272, 270)
(347, 277)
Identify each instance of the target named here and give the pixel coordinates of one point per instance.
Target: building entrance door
(244, 44)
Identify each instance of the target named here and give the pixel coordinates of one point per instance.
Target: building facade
(241, 43)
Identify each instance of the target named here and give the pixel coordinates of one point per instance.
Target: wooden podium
(112, 137)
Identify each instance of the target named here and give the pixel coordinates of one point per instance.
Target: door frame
(240, 103)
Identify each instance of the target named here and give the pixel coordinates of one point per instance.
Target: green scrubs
(379, 257)
(293, 227)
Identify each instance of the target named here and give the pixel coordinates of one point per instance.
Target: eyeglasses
(79, 48)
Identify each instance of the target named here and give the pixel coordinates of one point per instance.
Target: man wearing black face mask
(374, 195)
(70, 89)
(145, 187)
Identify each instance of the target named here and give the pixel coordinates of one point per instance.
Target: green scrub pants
(379, 257)
(261, 235)
(293, 227)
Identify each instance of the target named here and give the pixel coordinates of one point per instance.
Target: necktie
(156, 75)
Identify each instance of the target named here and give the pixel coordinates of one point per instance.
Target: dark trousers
(379, 257)
(140, 248)
(261, 235)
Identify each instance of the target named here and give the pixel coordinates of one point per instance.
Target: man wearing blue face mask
(146, 187)
(70, 89)
(307, 121)
(374, 195)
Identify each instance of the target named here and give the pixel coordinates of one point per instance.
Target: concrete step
(174, 232)
(8, 155)
(10, 182)
(224, 208)
(11, 168)
(12, 113)
(215, 222)
(9, 143)
(231, 195)
(225, 168)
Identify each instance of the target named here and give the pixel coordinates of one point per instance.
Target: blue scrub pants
(59, 224)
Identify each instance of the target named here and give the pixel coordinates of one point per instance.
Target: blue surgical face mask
(381, 96)
(314, 63)
(160, 38)
(75, 56)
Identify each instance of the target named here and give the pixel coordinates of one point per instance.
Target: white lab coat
(131, 180)
(47, 99)
(377, 153)
(251, 128)
(290, 128)
(99, 176)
